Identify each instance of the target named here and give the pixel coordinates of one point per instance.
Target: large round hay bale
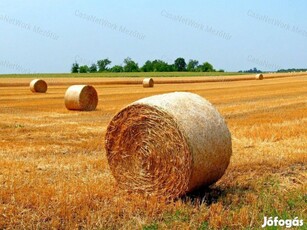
(168, 145)
(38, 86)
(81, 97)
(148, 83)
(259, 77)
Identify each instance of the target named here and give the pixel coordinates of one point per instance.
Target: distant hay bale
(81, 97)
(38, 86)
(168, 145)
(148, 83)
(259, 77)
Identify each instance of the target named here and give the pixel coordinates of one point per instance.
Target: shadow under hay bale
(38, 86)
(205, 195)
(81, 97)
(168, 145)
(148, 83)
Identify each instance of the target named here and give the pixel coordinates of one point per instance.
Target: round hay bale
(148, 83)
(38, 86)
(168, 145)
(81, 97)
(259, 77)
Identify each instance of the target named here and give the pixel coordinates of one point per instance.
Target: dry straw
(81, 97)
(148, 83)
(259, 77)
(168, 145)
(38, 86)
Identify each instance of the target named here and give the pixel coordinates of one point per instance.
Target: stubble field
(54, 171)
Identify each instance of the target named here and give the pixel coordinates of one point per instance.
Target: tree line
(255, 70)
(150, 66)
(291, 70)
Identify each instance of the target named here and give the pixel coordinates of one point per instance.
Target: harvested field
(57, 80)
(54, 171)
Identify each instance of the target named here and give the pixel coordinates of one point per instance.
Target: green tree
(192, 65)
(156, 66)
(93, 68)
(130, 65)
(84, 69)
(206, 67)
(148, 67)
(117, 69)
(102, 64)
(75, 68)
(180, 64)
(161, 66)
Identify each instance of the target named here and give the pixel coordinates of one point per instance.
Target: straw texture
(168, 145)
(148, 83)
(259, 77)
(81, 97)
(38, 86)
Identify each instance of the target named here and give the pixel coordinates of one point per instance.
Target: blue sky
(48, 36)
